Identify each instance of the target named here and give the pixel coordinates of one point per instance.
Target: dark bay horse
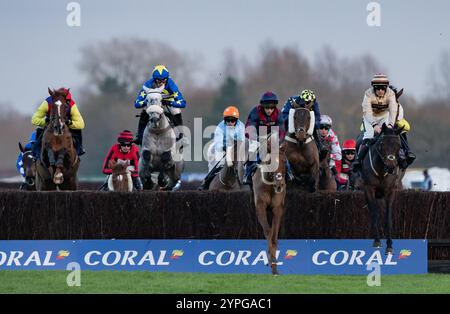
(327, 181)
(380, 173)
(301, 150)
(29, 167)
(58, 164)
(269, 192)
(230, 176)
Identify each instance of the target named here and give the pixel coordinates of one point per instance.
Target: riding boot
(408, 155)
(78, 141)
(249, 168)
(178, 121)
(36, 146)
(320, 146)
(137, 184)
(356, 166)
(143, 120)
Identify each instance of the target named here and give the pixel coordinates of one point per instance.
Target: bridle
(384, 158)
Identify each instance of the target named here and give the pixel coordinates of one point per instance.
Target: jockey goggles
(378, 87)
(324, 126)
(230, 119)
(349, 152)
(125, 144)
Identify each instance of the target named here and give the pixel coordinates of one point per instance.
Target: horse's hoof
(377, 244)
(390, 251)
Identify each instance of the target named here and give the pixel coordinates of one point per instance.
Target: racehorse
(269, 192)
(380, 173)
(159, 152)
(327, 180)
(120, 179)
(29, 167)
(229, 178)
(301, 150)
(58, 164)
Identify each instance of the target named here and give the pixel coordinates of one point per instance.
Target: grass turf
(157, 282)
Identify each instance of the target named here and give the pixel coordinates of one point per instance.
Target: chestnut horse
(58, 164)
(120, 179)
(301, 150)
(269, 191)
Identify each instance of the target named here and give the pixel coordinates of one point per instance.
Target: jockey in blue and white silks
(227, 131)
(173, 101)
(28, 146)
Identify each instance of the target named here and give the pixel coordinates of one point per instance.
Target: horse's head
(59, 110)
(388, 147)
(156, 114)
(29, 165)
(300, 124)
(154, 96)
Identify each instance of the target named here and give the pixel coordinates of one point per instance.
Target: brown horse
(230, 176)
(380, 174)
(301, 150)
(58, 164)
(29, 167)
(327, 180)
(120, 179)
(269, 189)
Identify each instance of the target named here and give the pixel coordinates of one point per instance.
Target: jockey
(328, 135)
(75, 122)
(348, 156)
(301, 101)
(28, 146)
(230, 129)
(379, 106)
(124, 150)
(265, 114)
(160, 78)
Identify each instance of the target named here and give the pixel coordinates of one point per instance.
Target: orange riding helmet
(231, 111)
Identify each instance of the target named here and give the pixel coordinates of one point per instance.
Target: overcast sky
(38, 49)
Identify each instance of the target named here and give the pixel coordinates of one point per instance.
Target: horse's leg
(261, 214)
(389, 197)
(274, 231)
(374, 214)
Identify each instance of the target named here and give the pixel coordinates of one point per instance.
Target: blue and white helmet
(160, 72)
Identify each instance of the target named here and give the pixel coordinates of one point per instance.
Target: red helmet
(125, 137)
(349, 144)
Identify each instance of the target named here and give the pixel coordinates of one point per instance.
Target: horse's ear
(21, 147)
(383, 127)
(112, 163)
(398, 130)
(51, 93)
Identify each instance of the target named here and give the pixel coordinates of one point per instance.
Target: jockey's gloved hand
(69, 122)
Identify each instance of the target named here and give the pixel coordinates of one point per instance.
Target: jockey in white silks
(227, 131)
(380, 106)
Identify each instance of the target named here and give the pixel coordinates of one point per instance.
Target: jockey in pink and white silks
(328, 135)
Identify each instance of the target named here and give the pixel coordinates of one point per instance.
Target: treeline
(116, 69)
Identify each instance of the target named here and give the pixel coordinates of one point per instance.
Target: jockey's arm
(281, 130)
(106, 169)
(285, 111)
(38, 118)
(19, 164)
(178, 100)
(77, 119)
(141, 100)
(218, 139)
(367, 110)
(135, 161)
(393, 108)
(316, 115)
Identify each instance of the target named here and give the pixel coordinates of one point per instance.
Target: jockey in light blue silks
(230, 129)
(160, 78)
(28, 147)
